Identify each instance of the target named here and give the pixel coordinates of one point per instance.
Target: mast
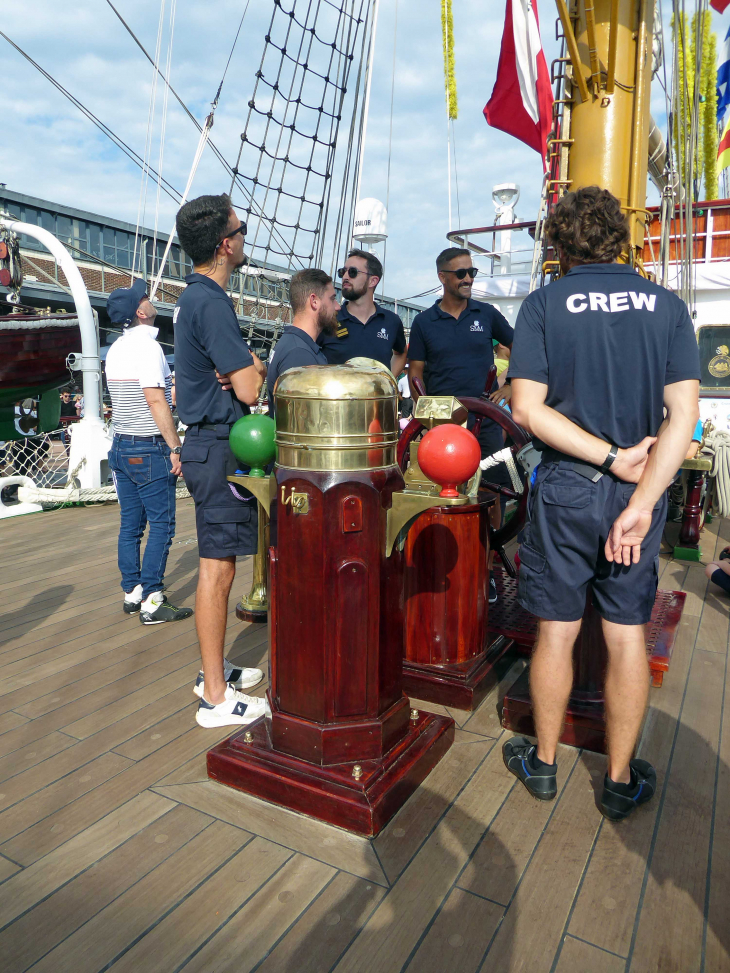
(609, 43)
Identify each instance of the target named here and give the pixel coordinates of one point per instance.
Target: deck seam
(231, 916)
(484, 898)
(569, 935)
(162, 861)
(662, 797)
(718, 763)
(83, 871)
(532, 855)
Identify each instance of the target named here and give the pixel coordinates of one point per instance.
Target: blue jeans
(146, 490)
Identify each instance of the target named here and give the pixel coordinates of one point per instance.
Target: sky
(50, 150)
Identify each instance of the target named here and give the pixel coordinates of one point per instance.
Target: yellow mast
(610, 47)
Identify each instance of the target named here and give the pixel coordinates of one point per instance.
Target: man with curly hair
(598, 355)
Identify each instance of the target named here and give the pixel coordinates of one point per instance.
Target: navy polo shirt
(380, 338)
(207, 337)
(606, 341)
(293, 349)
(459, 353)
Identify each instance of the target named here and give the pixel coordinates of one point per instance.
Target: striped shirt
(136, 362)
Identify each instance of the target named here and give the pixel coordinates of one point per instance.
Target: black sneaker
(541, 782)
(492, 591)
(617, 805)
(163, 611)
(133, 600)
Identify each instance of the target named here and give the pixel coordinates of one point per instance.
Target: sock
(152, 601)
(537, 764)
(134, 595)
(624, 789)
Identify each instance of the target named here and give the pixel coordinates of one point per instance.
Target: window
(48, 221)
(95, 240)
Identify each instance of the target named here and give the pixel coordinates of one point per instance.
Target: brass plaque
(436, 410)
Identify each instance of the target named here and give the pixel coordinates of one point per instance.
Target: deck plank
(579, 957)
(717, 949)
(325, 929)
(677, 868)
(29, 886)
(609, 896)
(66, 910)
(131, 916)
(498, 862)
(459, 936)
(397, 925)
(7, 868)
(534, 923)
(262, 921)
(295, 831)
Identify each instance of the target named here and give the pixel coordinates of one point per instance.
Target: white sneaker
(240, 678)
(133, 600)
(237, 709)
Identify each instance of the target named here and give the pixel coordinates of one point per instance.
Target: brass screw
(357, 771)
(248, 737)
(414, 714)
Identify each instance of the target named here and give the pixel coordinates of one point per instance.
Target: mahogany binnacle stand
(688, 542)
(449, 658)
(342, 743)
(585, 724)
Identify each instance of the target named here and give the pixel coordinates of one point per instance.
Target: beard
(327, 321)
(353, 294)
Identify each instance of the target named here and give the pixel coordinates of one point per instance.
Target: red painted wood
(36, 357)
(336, 662)
(462, 685)
(332, 794)
(689, 532)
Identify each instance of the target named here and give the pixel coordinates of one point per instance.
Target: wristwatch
(176, 450)
(608, 461)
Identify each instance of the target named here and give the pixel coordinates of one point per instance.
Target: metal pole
(366, 104)
(90, 361)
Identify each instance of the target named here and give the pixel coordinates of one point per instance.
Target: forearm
(555, 430)
(397, 363)
(665, 459)
(165, 423)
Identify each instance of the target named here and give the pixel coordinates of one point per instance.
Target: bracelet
(608, 461)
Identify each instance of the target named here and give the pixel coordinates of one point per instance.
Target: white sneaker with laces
(237, 709)
(240, 678)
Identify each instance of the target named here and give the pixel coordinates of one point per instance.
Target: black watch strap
(176, 450)
(608, 461)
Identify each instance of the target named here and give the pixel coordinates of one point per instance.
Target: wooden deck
(117, 853)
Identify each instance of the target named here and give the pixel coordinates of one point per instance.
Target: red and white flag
(719, 5)
(522, 99)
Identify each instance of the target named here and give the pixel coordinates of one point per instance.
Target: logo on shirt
(382, 334)
(476, 327)
(611, 303)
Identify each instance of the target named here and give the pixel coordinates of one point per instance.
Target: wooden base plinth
(362, 805)
(509, 619)
(248, 615)
(584, 727)
(462, 685)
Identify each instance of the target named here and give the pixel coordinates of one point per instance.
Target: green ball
(252, 442)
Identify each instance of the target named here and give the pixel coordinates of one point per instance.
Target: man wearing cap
(217, 379)
(145, 454)
(364, 328)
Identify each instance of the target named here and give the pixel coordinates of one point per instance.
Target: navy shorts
(563, 550)
(226, 526)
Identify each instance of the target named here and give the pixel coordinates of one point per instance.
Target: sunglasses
(461, 273)
(351, 272)
(239, 229)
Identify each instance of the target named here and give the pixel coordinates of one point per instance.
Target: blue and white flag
(723, 77)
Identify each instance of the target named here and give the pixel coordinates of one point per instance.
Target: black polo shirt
(606, 341)
(380, 338)
(293, 349)
(458, 353)
(207, 337)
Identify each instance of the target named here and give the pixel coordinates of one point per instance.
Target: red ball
(449, 455)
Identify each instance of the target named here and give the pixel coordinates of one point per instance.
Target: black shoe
(131, 607)
(492, 591)
(518, 755)
(164, 612)
(617, 805)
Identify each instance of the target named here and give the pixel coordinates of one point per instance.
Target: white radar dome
(371, 221)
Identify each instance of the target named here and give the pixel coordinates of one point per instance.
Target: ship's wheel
(486, 409)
